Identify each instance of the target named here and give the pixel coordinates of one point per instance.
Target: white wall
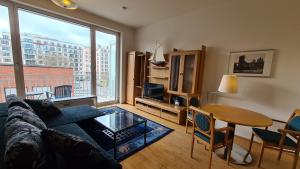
(236, 25)
(127, 33)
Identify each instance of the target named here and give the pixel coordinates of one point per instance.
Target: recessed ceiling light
(67, 4)
(124, 7)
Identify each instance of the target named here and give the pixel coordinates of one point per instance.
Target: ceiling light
(67, 4)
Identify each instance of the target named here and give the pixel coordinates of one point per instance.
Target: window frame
(13, 8)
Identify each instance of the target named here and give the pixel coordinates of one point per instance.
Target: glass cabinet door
(188, 73)
(174, 73)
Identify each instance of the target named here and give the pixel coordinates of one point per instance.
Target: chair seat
(273, 137)
(219, 137)
(190, 115)
(294, 124)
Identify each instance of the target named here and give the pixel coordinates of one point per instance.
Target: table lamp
(228, 84)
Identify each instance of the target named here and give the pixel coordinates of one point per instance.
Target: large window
(55, 53)
(7, 75)
(106, 66)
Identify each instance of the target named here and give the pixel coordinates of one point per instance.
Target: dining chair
(283, 140)
(60, 92)
(204, 132)
(191, 100)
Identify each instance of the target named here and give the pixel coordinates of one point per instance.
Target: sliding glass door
(106, 69)
(7, 75)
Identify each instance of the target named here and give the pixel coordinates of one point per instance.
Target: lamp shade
(228, 84)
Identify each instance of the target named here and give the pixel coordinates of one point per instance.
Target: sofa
(64, 122)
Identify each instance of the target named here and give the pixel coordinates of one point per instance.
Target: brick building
(37, 79)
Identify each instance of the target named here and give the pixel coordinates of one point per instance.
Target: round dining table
(237, 116)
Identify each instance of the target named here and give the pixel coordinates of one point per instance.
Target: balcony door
(106, 69)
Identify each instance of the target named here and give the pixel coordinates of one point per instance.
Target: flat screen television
(154, 91)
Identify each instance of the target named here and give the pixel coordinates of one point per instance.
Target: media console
(176, 114)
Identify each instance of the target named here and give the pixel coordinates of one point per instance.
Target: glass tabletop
(119, 120)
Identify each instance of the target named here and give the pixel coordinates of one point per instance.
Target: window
(7, 75)
(54, 69)
(106, 72)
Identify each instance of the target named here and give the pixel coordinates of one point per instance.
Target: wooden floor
(172, 152)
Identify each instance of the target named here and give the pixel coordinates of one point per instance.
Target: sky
(52, 28)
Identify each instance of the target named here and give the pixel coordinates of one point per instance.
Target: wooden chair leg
(210, 158)
(296, 156)
(192, 148)
(186, 125)
(261, 154)
(279, 155)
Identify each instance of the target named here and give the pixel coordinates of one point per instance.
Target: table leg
(238, 154)
(145, 134)
(115, 146)
(231, 136)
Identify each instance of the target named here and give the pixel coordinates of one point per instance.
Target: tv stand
(176, 114)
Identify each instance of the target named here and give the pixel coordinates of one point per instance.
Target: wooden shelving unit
(176, 114)
(158, 77)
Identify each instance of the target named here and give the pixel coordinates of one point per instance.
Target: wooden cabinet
(136, 74)
(186, 71)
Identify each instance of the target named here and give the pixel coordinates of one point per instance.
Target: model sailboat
(157, 57)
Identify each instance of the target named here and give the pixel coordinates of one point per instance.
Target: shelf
(158, 77)
(138, 87)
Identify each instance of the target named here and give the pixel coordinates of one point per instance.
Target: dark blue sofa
(65, 122)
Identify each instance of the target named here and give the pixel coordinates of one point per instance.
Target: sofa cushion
(43, 108)
(72, 115)
(13, 100)
(24, 147)
(3, 109)
(77, 153)
(74, 129)
(17, 112)
(2, 142)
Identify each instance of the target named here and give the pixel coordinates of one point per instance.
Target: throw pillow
(77, 153)
(24, 148)
(25, 115)
(44, 108)
(13, 100)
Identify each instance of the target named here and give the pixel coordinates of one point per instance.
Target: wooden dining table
(237, 116)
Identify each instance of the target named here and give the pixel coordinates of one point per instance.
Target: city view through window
(57, 53)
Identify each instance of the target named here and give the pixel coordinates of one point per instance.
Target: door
(174, 79)
(107, 71)
(130, 78)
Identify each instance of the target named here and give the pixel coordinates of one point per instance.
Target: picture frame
(251, 63)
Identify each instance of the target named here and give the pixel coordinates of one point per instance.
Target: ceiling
(140, 12)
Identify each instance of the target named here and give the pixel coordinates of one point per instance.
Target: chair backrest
(63, 91)
(204, 123)
(294, 121)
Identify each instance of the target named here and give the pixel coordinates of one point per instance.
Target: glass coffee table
(118, 124)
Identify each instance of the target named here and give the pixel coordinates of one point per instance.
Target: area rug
(130, 145)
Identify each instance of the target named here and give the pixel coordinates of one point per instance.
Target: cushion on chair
(202, 122)
(219, 137)
(294, 124)
(273, 137)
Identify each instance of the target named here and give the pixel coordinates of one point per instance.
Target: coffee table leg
(145, 134)
(115, 146)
